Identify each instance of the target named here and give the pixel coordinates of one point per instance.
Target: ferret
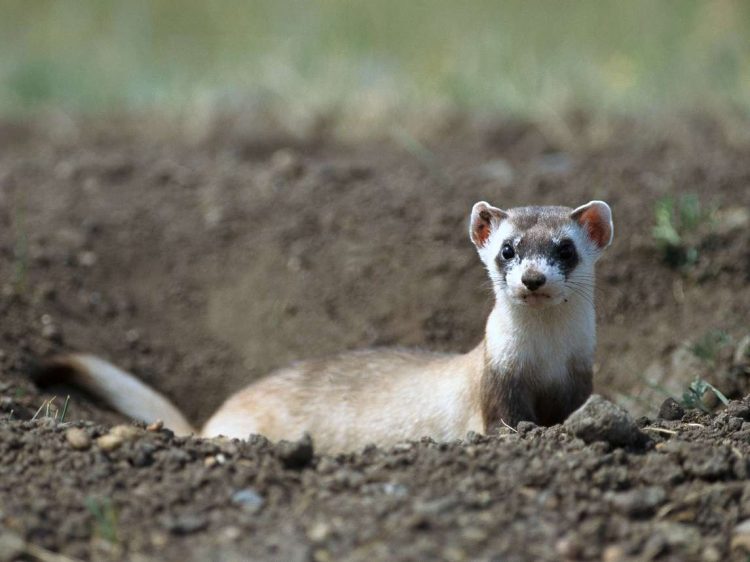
(534, 363)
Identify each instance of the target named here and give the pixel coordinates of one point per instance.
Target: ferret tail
(119, 389)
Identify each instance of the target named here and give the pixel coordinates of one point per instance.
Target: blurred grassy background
(374, 58)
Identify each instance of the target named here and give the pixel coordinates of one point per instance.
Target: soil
(200, 259)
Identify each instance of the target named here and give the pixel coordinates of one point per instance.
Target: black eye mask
(562, 254)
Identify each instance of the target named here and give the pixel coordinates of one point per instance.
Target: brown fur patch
(511, 395)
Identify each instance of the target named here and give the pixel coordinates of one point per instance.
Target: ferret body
(534, 363)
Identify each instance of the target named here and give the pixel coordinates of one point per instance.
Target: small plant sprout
(693, 395)
(65, 409)
(678, 224)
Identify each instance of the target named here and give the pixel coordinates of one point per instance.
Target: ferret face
(541, 256)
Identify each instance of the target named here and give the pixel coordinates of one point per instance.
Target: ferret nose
(533, 280)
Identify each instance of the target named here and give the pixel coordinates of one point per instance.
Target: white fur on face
(557, 289)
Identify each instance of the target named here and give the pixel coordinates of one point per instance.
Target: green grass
(679, 225)
(369, 59)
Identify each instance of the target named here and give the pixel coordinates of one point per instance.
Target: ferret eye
(567, 250)
(508, 252)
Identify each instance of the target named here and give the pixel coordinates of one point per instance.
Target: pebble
(125, 432)
(741, 536)
(186, 524)
(395, 489)
(250, 500)
(87, 259)
(319, 532)
(613, 553)
(52, 333)
(568, 547)
(109, 442)
(78, 438)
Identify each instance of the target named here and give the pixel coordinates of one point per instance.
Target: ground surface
(201, 259)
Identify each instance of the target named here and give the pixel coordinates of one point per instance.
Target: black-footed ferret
(534, 363)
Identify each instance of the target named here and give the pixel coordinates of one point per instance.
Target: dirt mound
(202, 262)
(538, 494)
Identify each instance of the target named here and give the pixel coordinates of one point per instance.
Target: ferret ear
(484, 219)
(595, 217)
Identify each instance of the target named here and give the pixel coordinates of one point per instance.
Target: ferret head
(541, 256)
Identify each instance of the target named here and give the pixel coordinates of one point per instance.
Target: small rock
(395, 489)
(132, 336)
(613, 553)
(319, 532)
(109, 442)
(671, 410)
(125, 432)
(52, 332)
(741, 536)
(78, 438)
(568, 547)
(711, 554)
(231, 533)
(11, 546)
(186, 524)
(250, 500)
(296, 454)
(87, 259)
(601, 420)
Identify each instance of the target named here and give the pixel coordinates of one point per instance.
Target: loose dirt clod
(601, 420)
(671, 410)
